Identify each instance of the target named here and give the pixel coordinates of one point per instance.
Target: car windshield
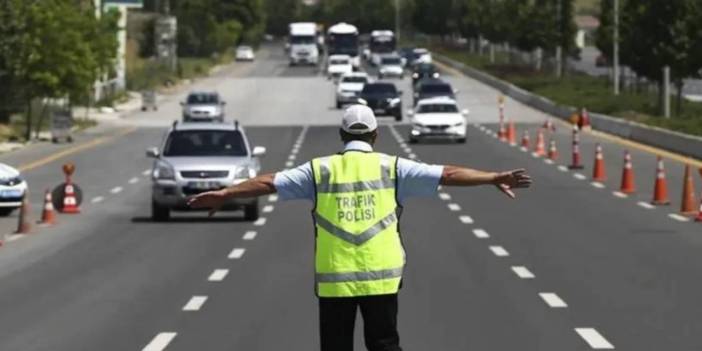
(203, 99)
(225, 143)
(438, 108)
(354, 80)
(423, 68)
(391, 61)
(379, 89)
(302, 39)
(339, 62)
(436, 89)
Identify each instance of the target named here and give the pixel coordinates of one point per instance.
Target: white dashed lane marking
(134, 180)
(15, 237)
(552, 300)
(160, 341)
(146, 172)
(597, 185)
(97, 199)
(499, 251)
(259, 222)
(289, 164)
(481, 233)
(454, 207)
(466, 219)
(645, 205)
(594, 339)
(218, 275)
(116, 190)
(678, 217)
(548, 161)
(268, 208)
(579, 176)
(563, 168)
(273, 198)
(236, 253)
(620, 194)
(250, 235)
(195, 303)
(522, 272)
(412, 156)
(445, 196)
(291, 157)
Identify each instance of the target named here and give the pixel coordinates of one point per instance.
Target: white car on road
(438, 118)
(338, 65)
(13, 188)
(350, 85)
(391, 66)
(245, 53)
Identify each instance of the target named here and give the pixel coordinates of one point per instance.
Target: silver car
(199, 157)
(202, 106)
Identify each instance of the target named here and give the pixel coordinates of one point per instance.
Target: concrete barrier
(681, 143)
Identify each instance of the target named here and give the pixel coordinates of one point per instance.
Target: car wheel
(339, 105)
(398, 117)
(251, 212)
(6, 211)
(159, 213)
(461, 140)
(413, 140)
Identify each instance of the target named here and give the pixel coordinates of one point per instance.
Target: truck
(302, 40)
(342, 39)
(382, 42)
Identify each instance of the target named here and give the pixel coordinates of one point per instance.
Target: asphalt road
(567, 266)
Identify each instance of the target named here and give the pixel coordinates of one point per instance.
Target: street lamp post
(397, 20)
(615, 49)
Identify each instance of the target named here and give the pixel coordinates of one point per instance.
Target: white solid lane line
(466, 219)
(97, 199)
(134, 180)
(579, 176)
(236, 253)
(250, 235)
(522, 272)
(499, 251)
(445, 196)
(259, 222)
(678, 217)
(218, 275)
(481, 233)
(15, 237)
(620, 194)
(454, 207)
(160, 341)
(594, 339)
(116, 190)
(273, 198)
(268, 208)
(552, 300)
(598, 185)
(195, 303)
(645, 205)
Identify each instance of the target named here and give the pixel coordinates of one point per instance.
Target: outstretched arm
(254, 187)
(504, 181)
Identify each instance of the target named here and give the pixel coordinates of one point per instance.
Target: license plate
(379, 110)
(10, 193)
(204, 185)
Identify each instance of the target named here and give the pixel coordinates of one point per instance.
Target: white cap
(361, 118)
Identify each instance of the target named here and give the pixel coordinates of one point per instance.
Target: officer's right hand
(515, 179)
(212, 200)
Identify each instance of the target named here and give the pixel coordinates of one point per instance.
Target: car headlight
(12, 181)
(394, 101)
(415, 75)
(163, 170)
(244, 173)
(435, 75)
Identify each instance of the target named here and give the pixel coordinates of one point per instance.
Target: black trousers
(337, 317)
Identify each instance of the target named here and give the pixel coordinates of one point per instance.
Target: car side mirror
(258, 151)
(153, 152)
(465, 112)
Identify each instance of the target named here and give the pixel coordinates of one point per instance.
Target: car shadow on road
(231, 219)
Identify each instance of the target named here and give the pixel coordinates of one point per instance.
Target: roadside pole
(397, 20)
(666, 91)
(615, 51)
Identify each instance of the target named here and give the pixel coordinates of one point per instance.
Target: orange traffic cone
(660, 190)
(584, 120)
(576, 150)
(525, 140)
(23, 226)
(627, 186)
(540, 148)
(48, 217)
(598, 173)
(552, 151)
(511, 133)
(70, 203)
(688, 196)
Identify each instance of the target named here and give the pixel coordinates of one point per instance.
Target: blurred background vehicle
(13, 189)
(338, 65)
(383, 98)
(391, 66)
(431, 87)
(342, 39)
(302, 38)
(202, 106)
(438, 118)
(245, 53)
(349, 88)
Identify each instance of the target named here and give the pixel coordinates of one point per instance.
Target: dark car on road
(431, 88)
(423, 71)
(383, 98)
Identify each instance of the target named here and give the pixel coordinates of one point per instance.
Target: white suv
(349, 87)
(438, 118)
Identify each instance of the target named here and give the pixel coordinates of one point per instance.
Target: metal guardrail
(681, 143)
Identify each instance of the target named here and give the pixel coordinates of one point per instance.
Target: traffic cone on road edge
(576, 150)
(511, 133)
(525, 140)
(23, 226)
(552, 151)
(687, 206)
(540, 148)
(660, 190)
(48, 217)
(599, 174)
(502, 133)
(627, 186)
(70, 203)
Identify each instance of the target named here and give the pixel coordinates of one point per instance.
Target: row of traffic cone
(48, 215)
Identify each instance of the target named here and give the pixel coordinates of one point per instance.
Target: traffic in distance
(208, 150)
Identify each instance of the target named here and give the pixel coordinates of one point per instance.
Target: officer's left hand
(506, 181)
(212, 200)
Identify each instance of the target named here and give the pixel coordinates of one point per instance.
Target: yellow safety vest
(358, 248)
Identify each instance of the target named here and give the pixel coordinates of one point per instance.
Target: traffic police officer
(358, 196)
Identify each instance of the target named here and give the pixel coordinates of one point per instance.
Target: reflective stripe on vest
(358, 249)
